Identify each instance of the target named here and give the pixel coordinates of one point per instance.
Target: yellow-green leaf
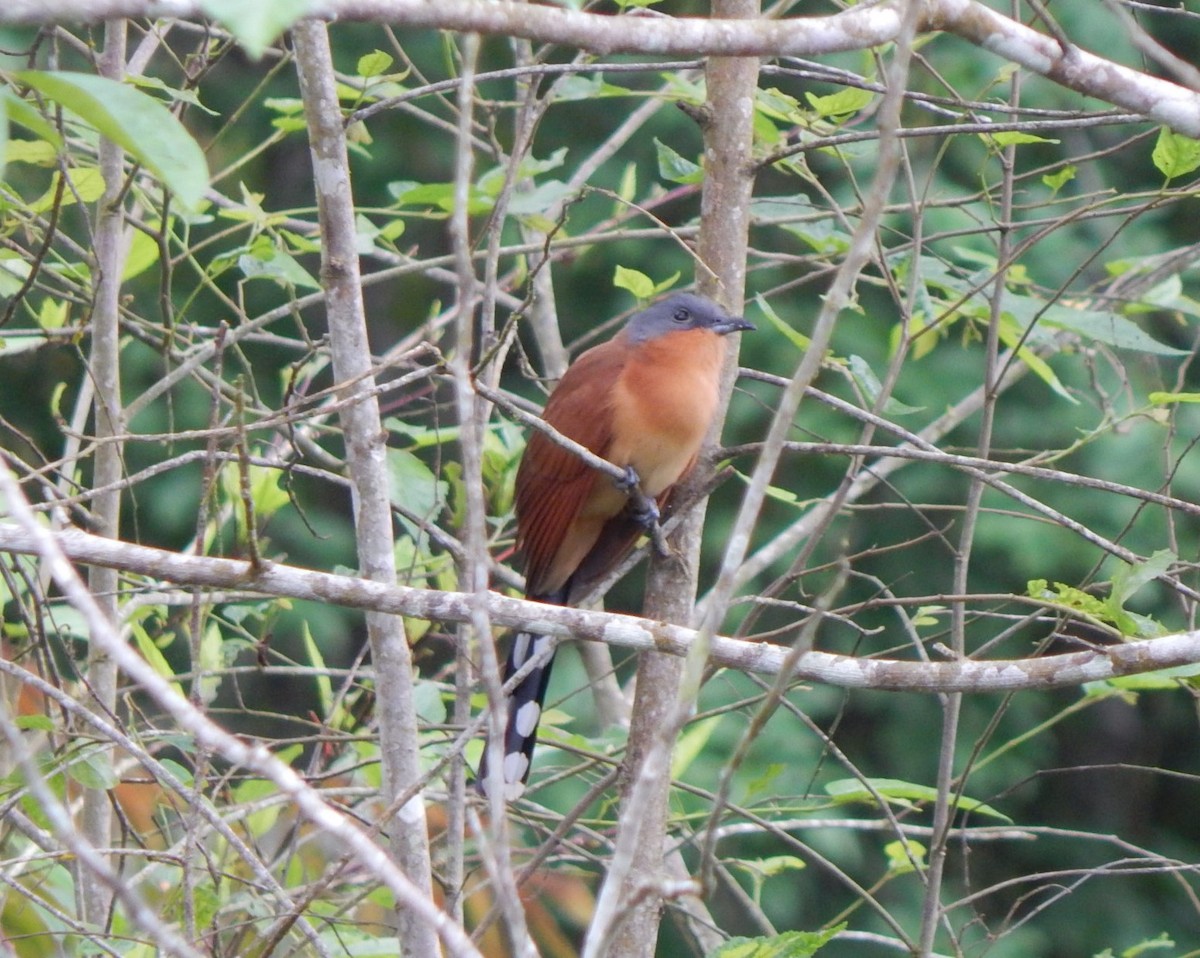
(1175, 154)
(842, 103)
(373, 64)
(691, 744)
(637, 282)
(1165, 399)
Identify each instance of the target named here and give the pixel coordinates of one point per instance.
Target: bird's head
(683, 311)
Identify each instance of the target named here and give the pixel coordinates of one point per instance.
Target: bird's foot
(644, 511)
(630, 481)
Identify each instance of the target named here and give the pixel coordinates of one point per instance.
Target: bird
(644, 401)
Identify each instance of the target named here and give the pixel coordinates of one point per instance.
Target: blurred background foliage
(1089, 793)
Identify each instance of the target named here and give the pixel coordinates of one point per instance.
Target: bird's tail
(524, 711)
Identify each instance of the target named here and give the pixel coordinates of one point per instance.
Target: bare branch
(351, 354)
(858, 28)
(966, 675)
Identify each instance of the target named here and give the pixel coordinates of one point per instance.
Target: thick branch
(105, 370)
(855, 29)
(967, 675)
(365, 457)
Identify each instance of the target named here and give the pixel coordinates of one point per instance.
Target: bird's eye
(681, 315)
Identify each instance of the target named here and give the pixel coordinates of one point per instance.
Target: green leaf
(1105, 327)
(373, 64)
(902, 793)
(770, 867)
(258, 791)
(580, 87)
(627, 189)
(257, 25)
(840, 104)
(416, 488)
(143, 253)
(1129, 578)
(1056, 181)
(142, 126)
(902, 854)
(1069, 597)
(793, 336)
(33, 152)
(53, 313)
(153, 655)
(266, 491)
(86, 186)
(764, 780)
(691, 744)
(1012, 337)
(424, 436)
(179, 770)
(265, 261)
(1012, 138)
(179, 96)
(94, 769)
(324, 683)
(1165, 399)
(3, 134)
(823, 235)
(790, 944)
(926, 615)
(674, 168)
(1175, 154)
(36, 723)
(212, 661)
(25, 115)
(638, 283)
(869, 383)
(774, 104)
(429, 702)
(440, 195)
(1160, 680)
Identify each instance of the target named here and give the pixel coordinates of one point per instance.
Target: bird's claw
(644, 511)
(630, 481)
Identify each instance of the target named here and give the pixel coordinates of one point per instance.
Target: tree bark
(365, 457)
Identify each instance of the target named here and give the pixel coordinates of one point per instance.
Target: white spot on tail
(526, 719)
(520, 649)
(515, 767)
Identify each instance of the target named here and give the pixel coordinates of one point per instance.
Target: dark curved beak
(734, 324)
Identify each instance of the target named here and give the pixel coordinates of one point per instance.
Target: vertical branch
(943, 812)
(861, 247)
(365, 455)
(105, 370)
(476, 635)
(474, 533)
(634, 890)
(726, 201)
